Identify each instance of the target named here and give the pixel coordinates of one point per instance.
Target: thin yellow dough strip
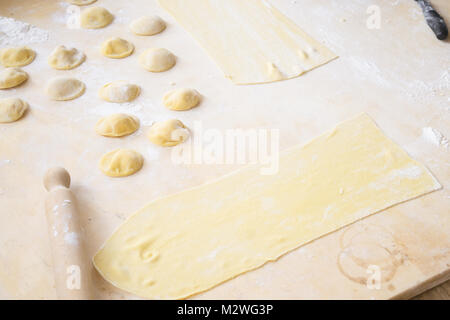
(251, 41)
(189, 242)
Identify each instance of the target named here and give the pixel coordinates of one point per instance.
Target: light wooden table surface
(401, 84)
(441, 292)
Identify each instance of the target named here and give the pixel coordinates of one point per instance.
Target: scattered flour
(71, 238)
(4, 162)
(153, 153)
(410, 172)
(435, 137)
(14, 32)
(422, 91)
(413, 172)
(66, 203)
(55, 232)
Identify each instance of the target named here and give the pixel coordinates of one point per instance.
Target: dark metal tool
(434, 20)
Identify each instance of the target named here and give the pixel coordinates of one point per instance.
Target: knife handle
(434, 20)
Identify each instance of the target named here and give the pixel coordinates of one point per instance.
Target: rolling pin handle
(71, 267)
(56, 177)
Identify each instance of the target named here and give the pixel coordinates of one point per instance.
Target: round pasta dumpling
(64, 88)
(181, 99)
(81, 2)
(121, 163)
(95, 18)
(168, 133)
(16, 57)
(63, 58)
(12, 109)
(119, 92)
(157, 59)
(12, 77)
(147, 26)
(117, 48)
(117, 125)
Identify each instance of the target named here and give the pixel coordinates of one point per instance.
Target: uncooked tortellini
(12, 109)
(81, 2)
(63, 88)
(168, 133)
(16, 57)
(12, 77)
(181, 99)
(119, 92)
(121, 163)
(117, 48)
(95, 18)
(63, 58)
(148, 26)
(117, 125)
(157, 59)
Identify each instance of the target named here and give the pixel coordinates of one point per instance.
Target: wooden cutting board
(398, 74)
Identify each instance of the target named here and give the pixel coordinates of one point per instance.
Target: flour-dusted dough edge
(12, 77)
(198, 15)
(56, 83)
(98, 12)
(364, 117)
(103, 124)
(157, 60)
(182, 99)
(80, 57)
(153, 25)
(137, 160)
(30, 58)
(23, 107)
(104, 90)
(159, 131)
(118, 55)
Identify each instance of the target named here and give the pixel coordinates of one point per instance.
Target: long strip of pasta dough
(250, 40)
(194, 240)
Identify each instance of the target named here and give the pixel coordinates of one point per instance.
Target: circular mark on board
(366, 245)
(355, 260)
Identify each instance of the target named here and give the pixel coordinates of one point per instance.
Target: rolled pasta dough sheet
(250, 40)
(189, 242)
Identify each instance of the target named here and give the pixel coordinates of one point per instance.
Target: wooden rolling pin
(71, 267)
